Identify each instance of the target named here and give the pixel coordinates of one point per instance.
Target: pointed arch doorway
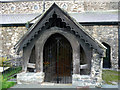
(57, 59)
(107, 59)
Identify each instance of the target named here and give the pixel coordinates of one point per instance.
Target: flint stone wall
(108, 34)
(68, 5)
(9, 36)
(30, 78)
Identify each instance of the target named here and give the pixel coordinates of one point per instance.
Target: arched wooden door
(57, 59)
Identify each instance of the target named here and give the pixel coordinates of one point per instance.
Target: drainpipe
(27, 25)
(119, 45)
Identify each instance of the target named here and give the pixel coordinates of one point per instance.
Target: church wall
(69, 6)
(108, 34)
(8, 38)
(10, 35)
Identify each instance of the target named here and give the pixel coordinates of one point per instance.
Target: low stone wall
(84, 80)
(38, 78)
(30, 78)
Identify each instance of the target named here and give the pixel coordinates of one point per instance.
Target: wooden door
(57, 59)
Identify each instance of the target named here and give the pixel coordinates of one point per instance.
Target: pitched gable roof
(75, 27)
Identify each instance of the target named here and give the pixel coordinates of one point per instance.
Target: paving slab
(109, 86)
(42, 86)
(58, 86)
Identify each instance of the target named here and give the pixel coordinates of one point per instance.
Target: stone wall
(69, 6)
(92, 80)
(109, 35)
(95, 78)
(30, 78)
(9, 37)
(95, 6)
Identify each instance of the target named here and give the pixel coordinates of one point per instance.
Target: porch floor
(44, 85)
(59, 86)
(61, 80)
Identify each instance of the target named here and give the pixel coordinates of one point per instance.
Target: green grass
(110, 76)
(11, 72)
(6, 84)
(5, 77)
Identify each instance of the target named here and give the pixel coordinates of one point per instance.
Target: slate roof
(108, 16)
(17, 18)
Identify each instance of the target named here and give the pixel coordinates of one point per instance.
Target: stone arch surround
(71, 38)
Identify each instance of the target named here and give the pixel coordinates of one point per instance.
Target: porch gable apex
(75, 27)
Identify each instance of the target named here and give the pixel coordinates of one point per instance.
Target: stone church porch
(58, 50)
(92, 80)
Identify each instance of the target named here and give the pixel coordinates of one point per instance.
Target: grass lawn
(110, 76)
(5, 83)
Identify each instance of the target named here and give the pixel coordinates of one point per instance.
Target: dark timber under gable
(45, 22)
